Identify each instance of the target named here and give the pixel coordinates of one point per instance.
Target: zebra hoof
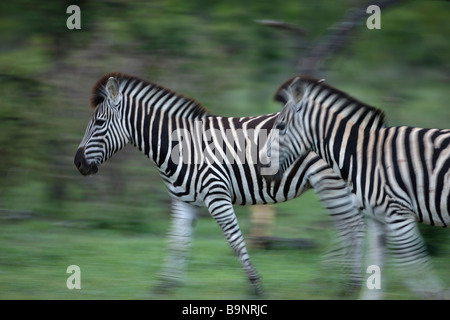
(166, 286)
(349, 288)
(257, 290)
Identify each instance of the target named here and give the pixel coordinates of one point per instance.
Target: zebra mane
(99, 93)
(296, 88)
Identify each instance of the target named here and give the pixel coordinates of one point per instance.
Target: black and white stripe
(160, 122)
(400, 175)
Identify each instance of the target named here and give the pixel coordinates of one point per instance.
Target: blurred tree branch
(283, 26)
(335, 39)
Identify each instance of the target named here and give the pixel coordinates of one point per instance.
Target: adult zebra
(400, 175)
(199, 157)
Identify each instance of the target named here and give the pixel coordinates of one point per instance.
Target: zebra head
(286, 138)
(106, 133)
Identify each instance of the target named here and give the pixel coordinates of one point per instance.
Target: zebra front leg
(376, 250)
(411, 256)
(183, 216)
(221, 209)
(348, 220)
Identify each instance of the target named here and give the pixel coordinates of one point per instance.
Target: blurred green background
(113, 224)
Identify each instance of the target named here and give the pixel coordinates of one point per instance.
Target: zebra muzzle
(82, 165)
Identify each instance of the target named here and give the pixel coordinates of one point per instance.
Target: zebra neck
(335, 126)
(336, 145)
(155, 131)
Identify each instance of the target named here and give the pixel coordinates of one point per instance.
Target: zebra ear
(112, 88)
(283, 94)
(296, 89)
(296, 94)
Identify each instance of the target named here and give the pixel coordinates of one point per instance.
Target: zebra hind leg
(222, 211)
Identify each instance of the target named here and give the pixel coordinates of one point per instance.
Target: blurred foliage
(210, 50)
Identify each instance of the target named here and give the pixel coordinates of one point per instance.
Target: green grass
(122, 264)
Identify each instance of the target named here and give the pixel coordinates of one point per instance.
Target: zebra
(189, 147)
(399, 175)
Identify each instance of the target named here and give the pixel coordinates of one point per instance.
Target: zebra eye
(281, 126)
(99, 122)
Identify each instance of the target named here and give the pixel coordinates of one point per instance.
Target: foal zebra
(400, 175)
(209, 161)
